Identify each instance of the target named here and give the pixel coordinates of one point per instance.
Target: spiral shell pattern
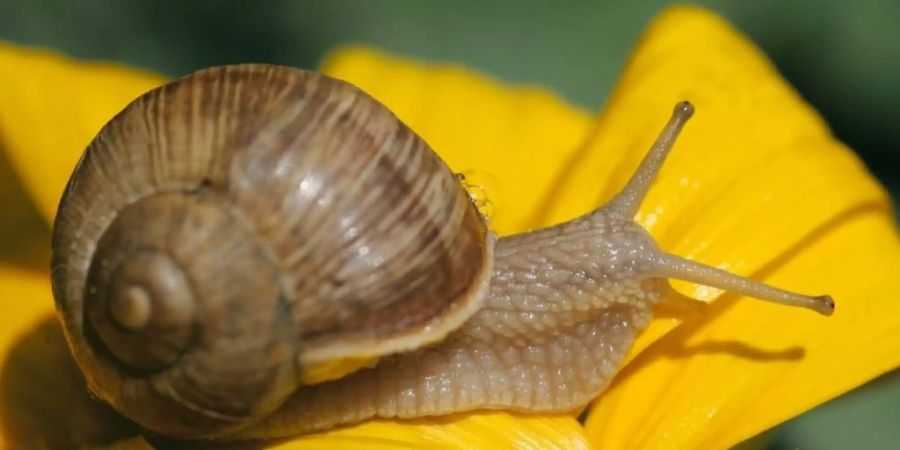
(230, 229)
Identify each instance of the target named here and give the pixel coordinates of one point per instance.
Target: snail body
(231, 233)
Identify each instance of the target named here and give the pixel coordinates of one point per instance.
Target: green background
(843, 56)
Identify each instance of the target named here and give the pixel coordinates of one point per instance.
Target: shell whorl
(168, 302)
(142, 309)
(230, 229)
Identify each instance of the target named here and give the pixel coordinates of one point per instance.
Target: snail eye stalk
(628, 200)
(626, 203)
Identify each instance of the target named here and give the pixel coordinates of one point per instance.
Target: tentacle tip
(684, 110)
(824, 305)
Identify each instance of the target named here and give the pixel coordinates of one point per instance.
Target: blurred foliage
(844, 58)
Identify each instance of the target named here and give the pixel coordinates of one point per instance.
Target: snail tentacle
(628, 200)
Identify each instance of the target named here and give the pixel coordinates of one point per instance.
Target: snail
(256, 251)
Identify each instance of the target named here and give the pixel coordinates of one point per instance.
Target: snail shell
(230, 230)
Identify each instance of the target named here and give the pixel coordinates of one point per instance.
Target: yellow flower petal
(475, 431)
(512, 143)
(495, 430)
(52, 107)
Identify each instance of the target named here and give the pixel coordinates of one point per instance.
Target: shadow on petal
(44, 400)
(738, 349)
(23, 232)
(168, 444)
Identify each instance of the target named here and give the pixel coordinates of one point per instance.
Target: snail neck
(599, 259)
